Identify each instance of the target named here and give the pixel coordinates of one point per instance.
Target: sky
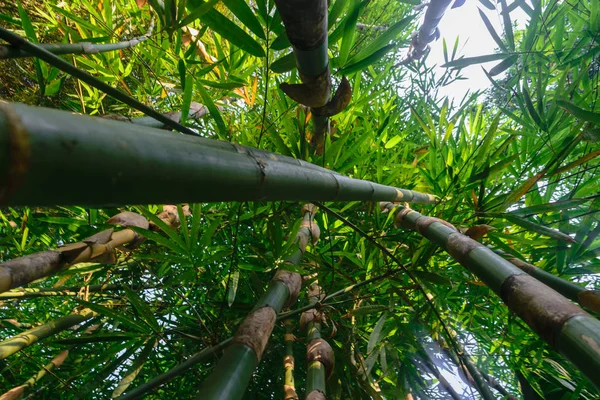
(474, 40)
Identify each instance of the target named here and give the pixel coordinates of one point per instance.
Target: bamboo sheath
(562, 324)
(50, 157)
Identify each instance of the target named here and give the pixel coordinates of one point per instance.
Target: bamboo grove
(283, 199)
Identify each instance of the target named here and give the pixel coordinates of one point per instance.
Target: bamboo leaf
(284, 64)
(382, 40)
(508, 29)
(198, 12)
(349, 30)
(213, 110)
(233, 286)
(244, 13)
(142, 309)
(537, 228)
(503, 65)
(366, 310)
(187, 98)
(120, 317)
(134, 370)
(371, 59)
(492, 31)
(465, 62)
(580, 112)
(31, 36)
(375, 335)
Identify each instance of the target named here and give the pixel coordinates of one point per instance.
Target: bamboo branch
(113, 160)
(289, 387)
(28, 293)
(11, 51)
(36, 51)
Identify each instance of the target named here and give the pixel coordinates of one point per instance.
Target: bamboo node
(254, 332)
(319, 350)
(127, 219)
(316, 395)
(293, 281)
(19, 151)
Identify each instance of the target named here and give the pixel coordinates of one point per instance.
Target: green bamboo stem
(306, 27)
(7, 52)
(179, 369)
(319, 353)
(566, 327)
(428, 32)
(28, 293)
(114, 158)
(230, 377)
(289, 386)
(36, 51)
(18, 391)
(12, 345)
(589, 299)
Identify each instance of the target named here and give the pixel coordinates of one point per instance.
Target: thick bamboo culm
(16, 343)
(306, 28)
(118, 163)
(562, 324)
(8, 51)
(232, 374)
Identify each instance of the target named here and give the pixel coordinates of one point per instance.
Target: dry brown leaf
(479, 231)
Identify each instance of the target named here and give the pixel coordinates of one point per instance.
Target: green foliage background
(521, 158)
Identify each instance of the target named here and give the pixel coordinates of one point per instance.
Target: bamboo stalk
(179, 369)
(28, 293)
(12, 345)
(230, 377)
(18, 391)
(441, 379)
(566, 327)
(36, 51)
(305, 23)
(428, 32)
(7, 52)
(319, 354)
(289, 386)
(40, 147)
(589, 299)
(97, 248)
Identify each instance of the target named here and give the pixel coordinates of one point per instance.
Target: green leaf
(432, 277)
(537, 228)
(579, 112)
(222, 85)
(170, 232)
(31, 36)
(349, 30)
(233, 286)
(120, 317)
(284, 64)
(465, 62)
(213, 110)
(187, 98)
(382, 40)
(142, 309)
(366, 310)
(198, 12)
(134, 370)
(375, 335)
(492, 31)
(503, 65)
(244, 13)
(371, 59)
(508, 30)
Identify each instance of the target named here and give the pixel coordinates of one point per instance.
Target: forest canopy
(273, 199)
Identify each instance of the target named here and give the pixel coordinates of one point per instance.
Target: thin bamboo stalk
(589, 299)
(36, 51)
(7, 52)
(28, 293)
(428, 32)
(230, 377)
(566, 327)
(39, 148)
(319, 354)
(289, 386)
(18, 391)
(17, 343)
(441, 379)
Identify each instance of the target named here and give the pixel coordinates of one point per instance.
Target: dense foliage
(520, 163)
